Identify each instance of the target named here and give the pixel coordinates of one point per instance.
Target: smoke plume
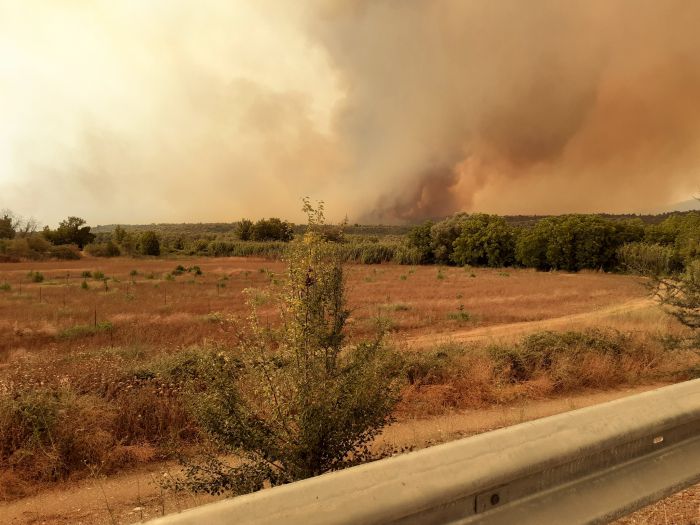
(389, 110)
(513, 106)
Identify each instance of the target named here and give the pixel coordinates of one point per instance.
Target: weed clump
(49, 434)
(35, 277)
(78, 331)
(461, 315)
(569, 359)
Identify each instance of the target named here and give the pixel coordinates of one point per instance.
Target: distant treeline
(565, 242)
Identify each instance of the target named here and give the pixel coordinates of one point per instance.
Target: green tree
(304, 401)
(272, 229)
(7, 230)
(420, 238)
(681, 231)
(532, 243)
(119, 234)
(443, 235)
(70, 231)
(575, 242)
(149, 243)
(244, 229)
(485, 240)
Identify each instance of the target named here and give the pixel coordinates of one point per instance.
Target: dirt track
(511, 329)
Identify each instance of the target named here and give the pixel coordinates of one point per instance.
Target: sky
(139, 111)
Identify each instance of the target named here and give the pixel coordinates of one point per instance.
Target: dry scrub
(101, 376)
(103, 410)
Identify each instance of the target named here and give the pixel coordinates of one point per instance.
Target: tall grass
(356, 251)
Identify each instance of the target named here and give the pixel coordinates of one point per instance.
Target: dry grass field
(149, 311)
(104, 351)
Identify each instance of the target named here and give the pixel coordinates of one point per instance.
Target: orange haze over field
(170, 110)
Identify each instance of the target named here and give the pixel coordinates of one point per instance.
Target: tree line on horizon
(565, 242)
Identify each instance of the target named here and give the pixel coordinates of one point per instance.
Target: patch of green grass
(87, 274)
(98, 275)
(5, 287)
(78, 331)
(461, 315)
(36, 277)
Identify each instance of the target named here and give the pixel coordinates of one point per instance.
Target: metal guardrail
(586, 466)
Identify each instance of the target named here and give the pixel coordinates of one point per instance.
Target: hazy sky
(130, 111)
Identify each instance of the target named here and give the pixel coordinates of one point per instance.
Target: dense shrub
(575, 242)
(681, 232)
(420, 239)
(50, 434)
(104, 249)
(244, 229)
(66, 252)
(149, 243)
(443, 235)
(33, 247)
(562, 356)
(484, 240)
(272, 229)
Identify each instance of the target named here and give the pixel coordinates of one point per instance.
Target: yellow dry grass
(151, 311)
